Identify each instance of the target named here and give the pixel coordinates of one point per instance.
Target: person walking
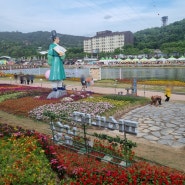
(168, 93)
(31, 78)
(28, 79)
(15, 77)
(83, 82)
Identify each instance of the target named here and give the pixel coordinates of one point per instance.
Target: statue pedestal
(56, 94)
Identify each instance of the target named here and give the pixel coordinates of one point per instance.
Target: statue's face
(57, 40)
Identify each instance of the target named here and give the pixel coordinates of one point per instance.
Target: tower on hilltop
(164, 20)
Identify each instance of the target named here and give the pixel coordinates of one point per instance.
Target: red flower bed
(82, 169)
(35, 97)
(23, 105)
(87, 170)
(9, 88)
(125, 80)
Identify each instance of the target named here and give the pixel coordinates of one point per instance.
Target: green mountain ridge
(169, 39)
(40, 39)
(164, 38)
(17, 44)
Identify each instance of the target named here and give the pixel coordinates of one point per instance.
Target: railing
(77, 138)
(171, 73)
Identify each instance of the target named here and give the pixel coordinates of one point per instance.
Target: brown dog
(156, 100)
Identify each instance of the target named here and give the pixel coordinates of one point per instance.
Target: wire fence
(73, 133)
(114, 72)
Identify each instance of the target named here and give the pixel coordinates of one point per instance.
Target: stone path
(163, 124)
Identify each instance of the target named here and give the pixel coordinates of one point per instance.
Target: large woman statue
(56, 55)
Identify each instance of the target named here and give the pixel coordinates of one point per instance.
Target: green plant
(53, 116)
(23, 161)
(10, 96)
(115, 146)
(131, 99)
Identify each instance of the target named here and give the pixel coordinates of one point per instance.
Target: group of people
(24, 79)
(86, 81)
(157, 99)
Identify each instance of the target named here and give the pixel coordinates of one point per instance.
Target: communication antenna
(164, 20)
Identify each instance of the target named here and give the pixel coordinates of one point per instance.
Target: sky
(86, 17)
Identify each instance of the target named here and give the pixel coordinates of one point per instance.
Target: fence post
(100, 73)
(84, 129)
(125, 147)
(120, 73)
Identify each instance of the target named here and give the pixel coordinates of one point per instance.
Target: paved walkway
(106, 90)
(163, 124)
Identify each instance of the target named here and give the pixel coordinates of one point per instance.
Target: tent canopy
(171, 59)
(161, 59)
(144, 59)
(152, 59)
(182, 58)
(135, 60)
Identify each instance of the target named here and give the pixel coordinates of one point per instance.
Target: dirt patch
(24, 122)
(161, 154)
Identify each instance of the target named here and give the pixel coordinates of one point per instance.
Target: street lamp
(41, 82)
(10, 80)
(115, 85)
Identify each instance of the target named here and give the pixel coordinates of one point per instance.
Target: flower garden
(29, 157)
(154, 82)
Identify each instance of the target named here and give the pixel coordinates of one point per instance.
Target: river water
(160, 73)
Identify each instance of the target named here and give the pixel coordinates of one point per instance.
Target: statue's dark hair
(53, 35)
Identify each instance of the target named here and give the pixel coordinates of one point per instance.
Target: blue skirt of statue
(56, 64)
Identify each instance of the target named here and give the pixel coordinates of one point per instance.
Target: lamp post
(115, 85)
(41, 82)
(10, 80)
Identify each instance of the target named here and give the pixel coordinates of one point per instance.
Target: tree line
(17, 44)
(169, 39)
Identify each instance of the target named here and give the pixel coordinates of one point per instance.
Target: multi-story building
(107, 41)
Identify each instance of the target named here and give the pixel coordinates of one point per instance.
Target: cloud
(84, 17)
(107, 17)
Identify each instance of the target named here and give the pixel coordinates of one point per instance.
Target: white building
(107, 41)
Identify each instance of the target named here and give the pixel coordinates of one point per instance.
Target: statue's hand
(61, 54)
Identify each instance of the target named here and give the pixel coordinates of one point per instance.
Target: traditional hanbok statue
(56, 55)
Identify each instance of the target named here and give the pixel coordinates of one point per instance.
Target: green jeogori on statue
(56, 55)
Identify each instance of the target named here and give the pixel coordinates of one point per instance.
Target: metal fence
(115, 72)
(76, 137)
(144, 73)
